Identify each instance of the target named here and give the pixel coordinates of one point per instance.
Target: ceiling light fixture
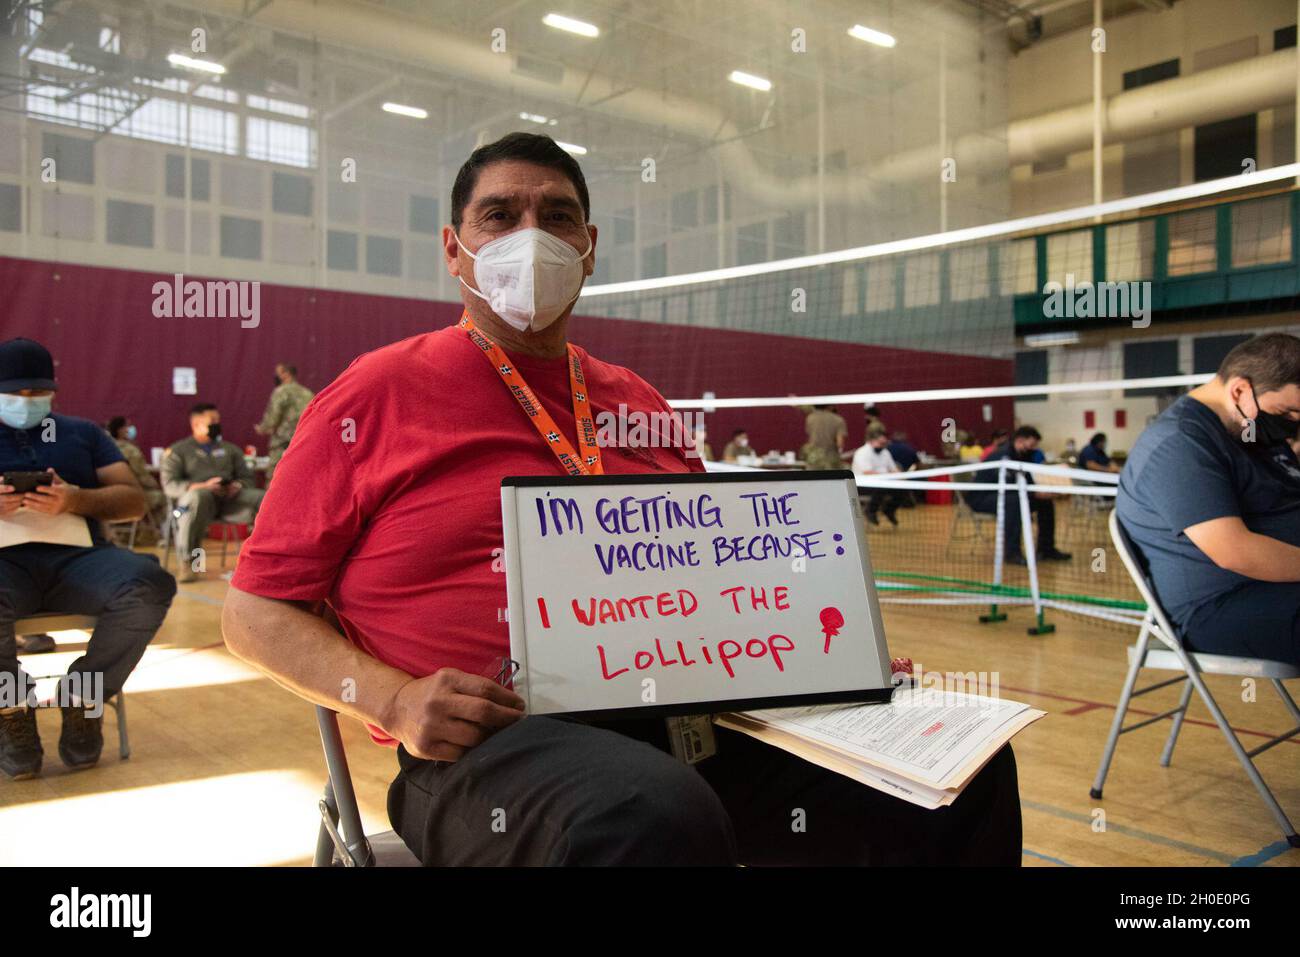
(402, 109)
(190, 63)
(749, 80)
(570, 25)
(868, 35)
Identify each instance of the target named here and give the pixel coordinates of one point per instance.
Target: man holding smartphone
(55, 465)
(209, 480)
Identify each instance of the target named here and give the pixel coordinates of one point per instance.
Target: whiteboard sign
(690, 594)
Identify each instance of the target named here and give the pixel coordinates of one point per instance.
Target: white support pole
(821, 163)
(188, 178)
(943, 134)
(1000, 535)
(1097, 104)
(1027, 541)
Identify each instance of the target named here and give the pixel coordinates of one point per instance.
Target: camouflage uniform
(188, 462)
(282, 413)
(153, 495)
(825, 430)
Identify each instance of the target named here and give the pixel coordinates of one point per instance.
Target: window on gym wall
(1148, 359)
(1192, 243)
(1261, 232)
(1208, 352)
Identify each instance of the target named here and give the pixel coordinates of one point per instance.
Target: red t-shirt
(388, 502)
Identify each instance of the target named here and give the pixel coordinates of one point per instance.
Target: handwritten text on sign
(644, 537)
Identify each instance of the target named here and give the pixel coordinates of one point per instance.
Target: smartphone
(26, 481)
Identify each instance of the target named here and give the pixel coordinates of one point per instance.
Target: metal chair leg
(324, 840)
(1286, 698)
(1246, 763)
(1117, 725)
(1167, 754)
(123, 742)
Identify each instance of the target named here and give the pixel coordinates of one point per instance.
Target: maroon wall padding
(115, 358)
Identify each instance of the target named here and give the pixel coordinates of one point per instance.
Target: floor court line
(1044, 857)
(1094, 705)
(1276, 849)
(1130, 831)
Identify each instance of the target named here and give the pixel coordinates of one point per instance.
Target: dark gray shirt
(1187, 468)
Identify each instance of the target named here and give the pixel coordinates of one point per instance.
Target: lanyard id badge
(585, 460)
(691, 737)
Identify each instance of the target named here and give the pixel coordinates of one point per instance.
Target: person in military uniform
(826, 431)
(288, 399)
(123, 433)
(209, 480)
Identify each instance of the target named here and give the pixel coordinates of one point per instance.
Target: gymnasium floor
(227, 766)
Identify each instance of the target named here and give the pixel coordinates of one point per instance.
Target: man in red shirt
(386, 506)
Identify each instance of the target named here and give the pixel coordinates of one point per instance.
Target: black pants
(553, 791)
(130, 593)
(1256, 620)
(1043, 508)
(878, 501)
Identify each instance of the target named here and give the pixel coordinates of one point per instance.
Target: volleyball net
(937, 533)
(938, 536)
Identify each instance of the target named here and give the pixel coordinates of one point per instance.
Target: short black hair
(1271, 362)
(290, 367)
(201, 407)
(115, 425)
(525, 147)
(1028, 432)
(1100, 437)
(739, 432)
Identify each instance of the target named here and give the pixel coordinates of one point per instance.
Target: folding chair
(341, 840)
(171, 533)
(1193, 665)
(54, 621)
(123, 534)
(964, 513)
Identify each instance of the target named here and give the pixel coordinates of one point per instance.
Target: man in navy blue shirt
(1211, 497)
(129, 593)
(904, 455)
(1094, 455)
(1021, 446)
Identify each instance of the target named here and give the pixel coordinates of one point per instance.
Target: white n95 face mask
(528, 277)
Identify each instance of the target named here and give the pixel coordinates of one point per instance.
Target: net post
(998, 536)
(1041, 627)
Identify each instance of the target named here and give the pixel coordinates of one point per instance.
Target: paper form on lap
(924, 746)
(25, 526)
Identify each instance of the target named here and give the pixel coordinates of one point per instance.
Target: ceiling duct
(1210, 95)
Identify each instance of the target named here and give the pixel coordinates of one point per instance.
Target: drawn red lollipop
(832, 622)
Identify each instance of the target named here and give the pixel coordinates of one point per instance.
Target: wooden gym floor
(227, 766)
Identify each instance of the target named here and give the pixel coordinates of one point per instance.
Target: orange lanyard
(586, 464)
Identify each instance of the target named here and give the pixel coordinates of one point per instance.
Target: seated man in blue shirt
(1211, 496)
(1094, 455)
(129, 593)
(1022, 446)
